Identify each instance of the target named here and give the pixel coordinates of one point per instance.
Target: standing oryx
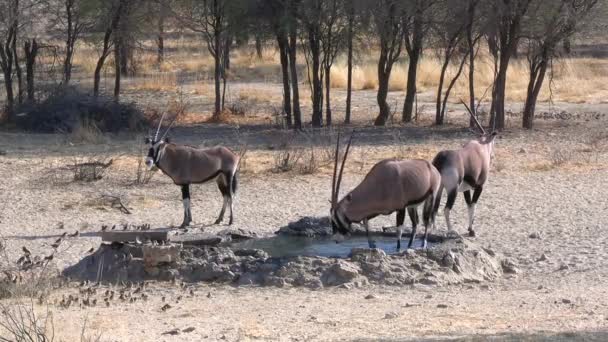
(465, 170)
(187, 165)
(391, 185)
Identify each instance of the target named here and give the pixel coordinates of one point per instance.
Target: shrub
(67, 109)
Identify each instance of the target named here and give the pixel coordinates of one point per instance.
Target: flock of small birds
(92, 294)
(126, 226)
(28, 261)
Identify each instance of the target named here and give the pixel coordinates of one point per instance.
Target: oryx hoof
(184, 225)
(218, 221)
(230, 222)
(471, 233)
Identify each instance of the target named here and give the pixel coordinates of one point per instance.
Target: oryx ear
(492, 135)
(349, 197)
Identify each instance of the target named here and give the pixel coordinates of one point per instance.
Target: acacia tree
(9, 21)
(417, 23)
(450, 33)
(110, 16)
(211, 18)
(310, 12)
(556, 22)
(69, 20)
(293, 69)
(507, 19)
(389, 29)
(332, 39)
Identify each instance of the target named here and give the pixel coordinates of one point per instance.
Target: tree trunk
(217, 74)
(327, 98)
(349, 81)
(410, 93)
(384, 74)
(451, 86)
(20, 88)
(498, 95)
(471, 48)
(117, 66)
(69, 43)
(537, 77)
(293, 68)
(258, 46)
(414, 51)
(6, 62)
(160, 39)
(317, 83)
(438, 112)
(284, 55)
(100, 62)
(31, 50)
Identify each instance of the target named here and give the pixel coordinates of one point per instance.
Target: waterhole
(289, 246)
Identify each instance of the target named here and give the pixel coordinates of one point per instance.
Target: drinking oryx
(187, 165)
(391, 185)
(464, 170)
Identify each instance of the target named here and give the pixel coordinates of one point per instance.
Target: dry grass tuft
(86, 132)
(158, 82)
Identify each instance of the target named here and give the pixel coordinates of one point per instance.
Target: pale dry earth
(550, 182)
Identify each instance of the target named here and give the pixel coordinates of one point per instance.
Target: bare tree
(417, 23)
(450, 33)
(293, 69)
(310, 12)
(556, 21)
(111, 16)
(332, 40)
(388, 25)
(30, 50)
(9, 21)
(508, 18)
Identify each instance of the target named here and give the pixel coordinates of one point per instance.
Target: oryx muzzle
(464, 170)
(187, 165)
(391, 185)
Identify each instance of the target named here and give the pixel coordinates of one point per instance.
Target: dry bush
(69, 108)
(86, 132)
(91, 170)
(310, 164)
(163, 81)
(143, 176)
(23, 324)
(559, 157)
(286, 160)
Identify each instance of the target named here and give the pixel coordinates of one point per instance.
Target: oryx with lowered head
(390, 186)
(464, 170)
(187, 165)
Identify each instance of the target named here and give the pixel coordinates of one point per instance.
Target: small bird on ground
(49, 258)
(91, 250)
(104, 228)
(26, 251)
(75, 234)
(165, 307)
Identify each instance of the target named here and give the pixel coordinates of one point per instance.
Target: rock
(256, 253)
(367, 253)
(566, 301)
(248, 279)
(371, 296)
(171, 332)
(534, 235)
(522, 151)
(543, 257)
(442, 306)
(339, 273)
(391, 315)
(156, 255)
(563, 267)
(508, 266)
(188, 330)
(308, 226)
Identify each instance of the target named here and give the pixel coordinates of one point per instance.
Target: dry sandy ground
(530, 191)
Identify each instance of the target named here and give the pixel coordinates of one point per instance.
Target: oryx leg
(448, 207)
(474, 200)
(427, 217)
(414, 218)
(225, 190)
(400, 220)
(372, 243)
(231, 194)
(186, 201)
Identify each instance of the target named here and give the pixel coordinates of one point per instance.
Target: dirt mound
(452, 262)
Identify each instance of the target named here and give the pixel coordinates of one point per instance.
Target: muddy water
(286, 246)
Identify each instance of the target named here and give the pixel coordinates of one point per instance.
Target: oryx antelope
(464, 170)
(391, 185)
(187, 165)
